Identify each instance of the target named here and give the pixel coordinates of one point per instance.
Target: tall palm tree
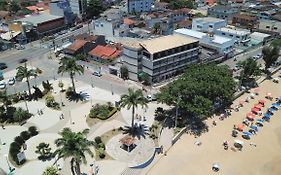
(69, 65)
(73, 145)
(24, 72)
(132, 100)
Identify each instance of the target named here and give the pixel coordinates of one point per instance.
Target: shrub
(15, 98)
(98, 140)
(15, 145)
(25, 135)
(19, 140)
(103, 111)
(101, 146)
(50, 102)
(101, 153)
(21, 115)
(32, 130)
(38, 71)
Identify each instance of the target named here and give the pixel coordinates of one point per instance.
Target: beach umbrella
(215, 167)
(254, 127)
(240, 127)
(246, 133)
(268, 95)
(252, 95)
(239, 142)
(259, 106)
(241, 102)
(275, 105)
(270, 110)
(250, 116)
(257, 91)
(255, 110)
(260, 120)
(261, 101)
(266, 116)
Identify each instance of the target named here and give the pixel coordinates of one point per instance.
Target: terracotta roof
(76, 45)
(104, 52)
(3, 13)
(42, 5)
(127, 140)
(128, 21)
(32, 8)
(184, 23)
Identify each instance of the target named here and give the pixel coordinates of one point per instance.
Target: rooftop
(128, 21)
(244, 16)
(131, 43)
(39, 18)
(222, 7)
(77, 44)
(236, 31)
(165, 42)
(104, 52)
(4, 13)
(200, 35)
(208, 19)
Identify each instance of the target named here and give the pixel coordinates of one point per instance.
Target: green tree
(124, 72)
(14, 7)
(178, 4)
(20, 115)
(250, 69)
(73, 145)
(44, 151)
(270, 55)
(70, 66)
(81, 57)
(200, 90)
(132, 100)
(3, 5)
(24, 72)
(276, 42)
(5, 99)
(94, 8)
(156, 28)
(50, 171)
(198, 15)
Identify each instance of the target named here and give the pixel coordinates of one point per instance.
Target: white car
(2, 85)
(11, 81)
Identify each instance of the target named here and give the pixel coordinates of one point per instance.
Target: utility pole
(177, 111)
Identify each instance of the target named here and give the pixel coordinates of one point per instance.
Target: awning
(10, 35)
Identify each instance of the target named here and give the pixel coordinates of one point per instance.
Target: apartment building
(244, 21)
(160, 58)
(222, 11)
(238, 34)
(78, 7)
(270, 25)
(138, 6)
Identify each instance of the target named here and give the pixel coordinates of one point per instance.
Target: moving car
(3, 66)
(23, 60)
(97, 73)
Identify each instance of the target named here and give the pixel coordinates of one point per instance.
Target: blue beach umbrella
(270, 110)
(275, 105)
(255, 128)
(246, 133)
(266, 115)
(260, 120)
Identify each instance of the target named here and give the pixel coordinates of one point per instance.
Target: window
(237, 36)
(274, 28)
(231, 35)
(223, 33)
(210, 26)
(199, 27)
(267, 27)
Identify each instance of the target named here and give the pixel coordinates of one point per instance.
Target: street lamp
(8, 163)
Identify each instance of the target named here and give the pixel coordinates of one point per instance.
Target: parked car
(151, 97)
(2, 85)
(3, 66)
(19, 47)
(12, 81)
(258, 56)
(23, 60)
(97, 73)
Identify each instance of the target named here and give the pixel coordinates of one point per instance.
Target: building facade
(244, 21)
(239, 35)
(61, 8)
(222, 12)
(207, 24)
(160, 58)
(270, 25)
(138, 6)
(78, 7)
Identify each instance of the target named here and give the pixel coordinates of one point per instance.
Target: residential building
(163, 19)
(266, 14)
(104, 53)
(78, 7)
(183, 24)
(161, 5)
(241, 36)
(160, 58)
(138, 6)
(219, 44)
(222, 11)
(270, 25)
(78, 47)
(180, 14)
(94, 39)
(207, 24)
(61, 8)
(44, 23)
(244, 21)
(259, 38)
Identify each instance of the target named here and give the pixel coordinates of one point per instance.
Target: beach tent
(240, 127)
(250, 116)
(270, 110)
(259, 122)
(255, 110)
(254, 127)
(259, 106)
(246, 135)
(275, 105)
(266, 116)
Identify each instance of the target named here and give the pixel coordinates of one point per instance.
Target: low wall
(178, 135)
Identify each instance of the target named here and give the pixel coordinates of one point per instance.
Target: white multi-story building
(207, 24)
(240, 36)
(160, 58)
(270, 25)
(217, 43)
(138, 6)
(78, 7)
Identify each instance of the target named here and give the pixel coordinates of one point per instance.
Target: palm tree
(24, 72)
(50, 171)
(5, 99)
(133, 99)
(44, 151)
(69, 65)
(73, 145)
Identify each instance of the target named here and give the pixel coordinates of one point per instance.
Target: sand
(264, 159)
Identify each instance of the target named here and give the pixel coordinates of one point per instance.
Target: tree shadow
(136, 131)
(76, 97)
(196, 126)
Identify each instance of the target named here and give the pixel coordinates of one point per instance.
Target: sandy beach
(265, 159)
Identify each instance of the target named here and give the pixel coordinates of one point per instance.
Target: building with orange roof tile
(104, 53)
(78, 47)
